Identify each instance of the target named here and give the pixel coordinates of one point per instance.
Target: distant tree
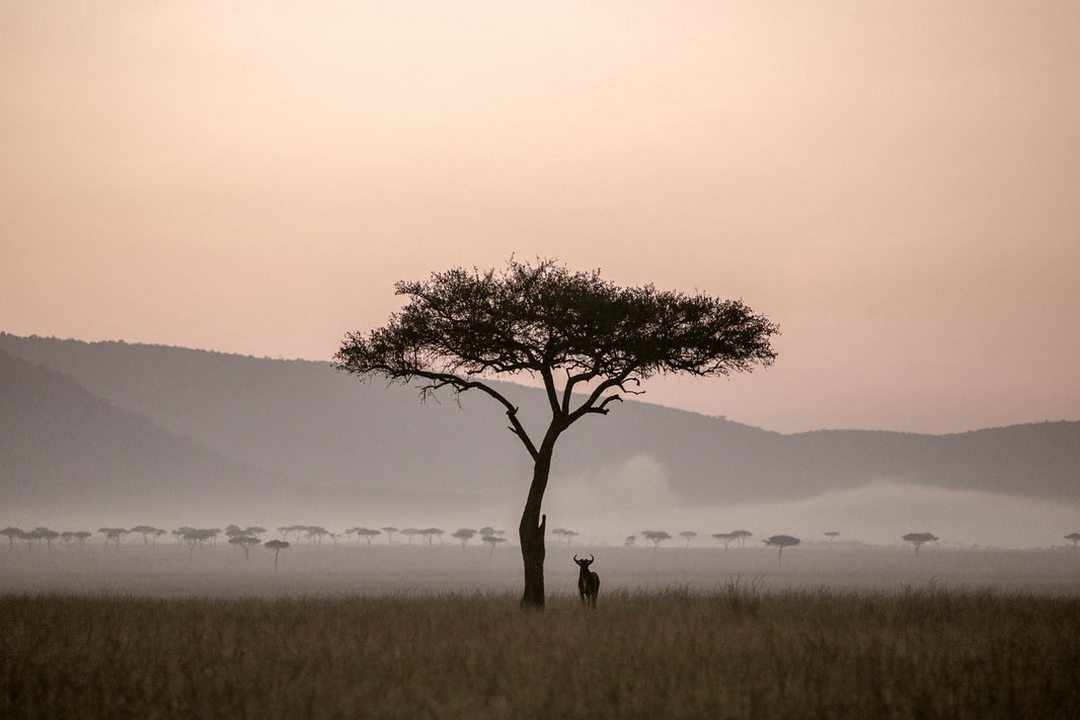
(11, 533)
(47, 535)
(832, 534)
(277, 546)
(29, 536)
(389, 534)
(492, 540)
(542, 320)
(655, 537)
(233, 531)
(368, 534)
(245, 542)
(255, 530)
(410, 533)
(741, 536)
(464, 535)
(630, 541)
(725, 538)
(284, 530)
(81, 536)
(1074, 538)
(782, 541)
(213, 534)
(198, 536)
(181, 533)
(113, 535)
(559, 532)
(430, 533)
(919, 539)
(316, 533)
(688, 535)
(158, 532)
(486, 530)
(146, 531)
(67, 536)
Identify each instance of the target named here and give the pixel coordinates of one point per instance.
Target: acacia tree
(464, 535)
(919, 539)
(655, 537)
(367, 534)
(630, 541)
(1074, 538)
(688, 535)
(389, 534)
(781, 541)
(11, 533)
(277, 546)
(245, 541)
(741, 536)
(832, 534)
(725, 538)
(589, 341)
(492, 540)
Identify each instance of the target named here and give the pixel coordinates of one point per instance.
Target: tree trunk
(533, 526)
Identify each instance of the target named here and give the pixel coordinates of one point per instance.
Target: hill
(304, 423)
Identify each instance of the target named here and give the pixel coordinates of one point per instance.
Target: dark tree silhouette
(781, 541)
(11, 533)
(832, 534)
(464, 535)
(430, 533)
(741, 536)
(47, 535)
(655, 537)
(725, 538)
(630, 541)
(113, 534)
(81, 536)
(277, 546)
(146, 531)
(492, 540)
(67, 536)
(245, 541)
(542, 320)
(1074, 538)
(410, 533)
(919, 539)
(254, 530)
(486, 530)
(688, 535)
(389, 534)
(367, 533)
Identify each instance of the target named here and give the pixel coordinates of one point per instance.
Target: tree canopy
(538, 318)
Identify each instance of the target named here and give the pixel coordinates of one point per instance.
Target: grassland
(730, 653)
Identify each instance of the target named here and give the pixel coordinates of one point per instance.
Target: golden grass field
(734, 652)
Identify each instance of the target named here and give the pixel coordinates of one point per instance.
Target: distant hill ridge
(300, 423)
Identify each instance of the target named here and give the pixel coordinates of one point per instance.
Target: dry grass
(735, 653)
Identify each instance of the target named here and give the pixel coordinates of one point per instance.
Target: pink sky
(896, 184)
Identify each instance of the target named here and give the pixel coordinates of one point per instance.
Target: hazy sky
(897, 184)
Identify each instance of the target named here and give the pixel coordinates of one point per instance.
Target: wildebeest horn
(575, 557)
(592, 557)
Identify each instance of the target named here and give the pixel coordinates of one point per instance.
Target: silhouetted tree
(389, 534)
(410, 533)
(781, 541)
(545, 321)
(492, 540)
(277, 546)
(488, 530)
(284, 530)
(81, 536)
(688, 535)
(67, 536)
(11, 533)
(1074, 538)
(725, 538)
(254, 530)
(146, 531)
(655, 537)
(630, 541)
(919, 539)
(244, 541)
(113, 534)
(368, 534)
(47, 535)
(316, 533)
(832, 534)
(741, 536)
(430, 533)
(464, 535)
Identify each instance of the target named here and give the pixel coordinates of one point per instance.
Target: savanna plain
(435, 632)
